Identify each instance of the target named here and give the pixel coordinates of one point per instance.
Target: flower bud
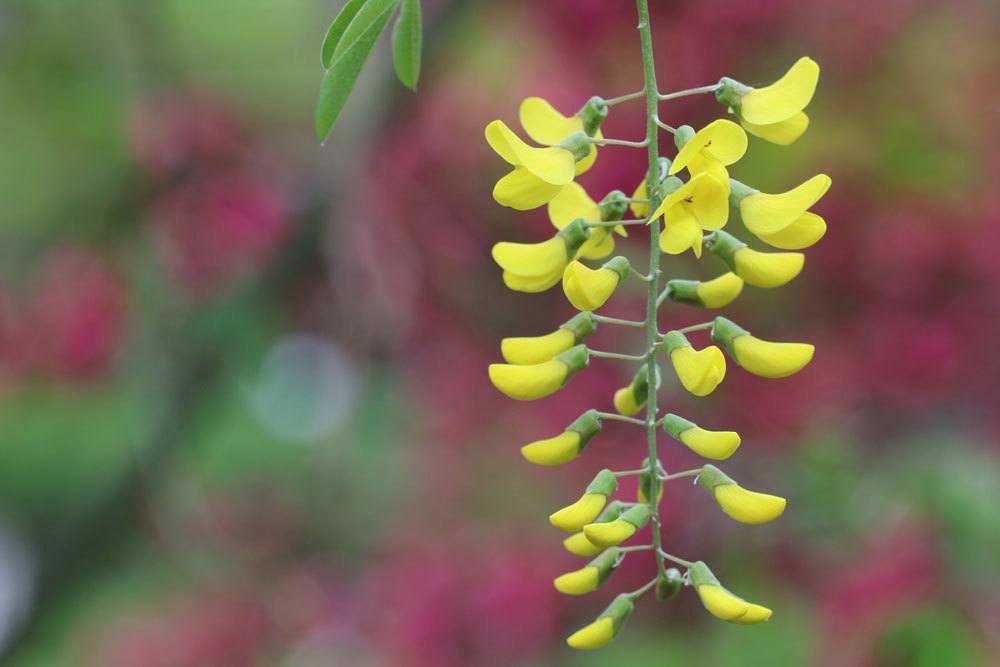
(527, 383)
(714, 293)
(761, 357)
(538, 175)
(578, 544)
(740, 504)
(573, 517)
(615, 532)
(589, 577)
(613, 207)
(525, 351)
(701, 371)
(718, 445)
(566, 446)
(668, 584)
(606, 627)
(535, 267)
(720, 602)
(593, 114)
(588, 289)
(629, 400)
(650, 484)
(760, 269)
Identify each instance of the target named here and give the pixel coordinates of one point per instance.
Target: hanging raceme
(685, 202)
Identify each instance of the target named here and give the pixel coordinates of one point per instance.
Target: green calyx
(612, 511)
(614, 206)
(711, 477)
(637, 515)
(724, 246)
(576, 359)
(587, 425)
(668, 584)
(675, 425)
(650, 484)
(604, 483)
(683, 135)
(701, 575)
(573, 235)
(684, 291)
(731, 92)
(578, 144)
(581, 325)
(619, 265)
(725, 331)
(739, 191)
(618, 611)
(593, 114)
(606, 562)
(673, 340)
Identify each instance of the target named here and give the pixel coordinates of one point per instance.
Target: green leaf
(407, 35)
(348, 58)
(370, 12)
(336, 31)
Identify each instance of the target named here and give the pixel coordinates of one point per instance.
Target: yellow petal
(502, 140)
(681, 231)
(748, 506)
(765, 213)
(721, 603)
(586, 288)
(544, 124)
(755, 614)
(527, 383)
(532, 259)
(529, 285)
(552, 165)
(578, 582)
(578, 545)
(523, 191)
(718, 445)
(771, 360)
(639, 209)
(782, 133)
(625, 402)
(700, 371)
(595, 635)
(708, 200)
(536, 349)
(785, 97)
(610, 533)
(553, 451)
(720, 291)
(599, 245)
(571, 203)
(573, 517)
(805, 231)
(721, 139)
(767, 269)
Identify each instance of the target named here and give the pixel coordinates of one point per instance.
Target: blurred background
(244, 412)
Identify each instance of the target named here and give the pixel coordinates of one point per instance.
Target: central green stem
(652, 189)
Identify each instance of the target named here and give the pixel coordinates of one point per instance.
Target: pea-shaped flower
(566, 446)
(720, 602)
(575, 516)
(714, 293)
(589, 289)
(589, 577)
(718, 445)
(700, 371)
(606, 627)
(761, 357)
(535, 267)
(783, 220)
(539, 174)
(574, 203)
(579, 545)
(740, 504)
(700, 204)
(547, 126)
(530, 382)
(629, 400)
(537, 349)
(760, 269)
(711, 149)
(774, 112)
(613, 533)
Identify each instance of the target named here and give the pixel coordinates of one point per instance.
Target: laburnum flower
(784, 220)
(539, 174)
(709, 150)
(535, 267)
(700, 204)
(718, 445)
(774, 113)
(629, 400)
(760, 357)
(533, 381)
(574, 203)
(536, 349)
(714, 293)
(589, 289)
(742, 505)
(606, 627)
(579, 545)
(760, 269)
(589, 577)
(700, 371)
(545, 125)
(575, 516)
(613, 533)
(566, 446)
(720, 602)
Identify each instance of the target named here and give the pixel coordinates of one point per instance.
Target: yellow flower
(527, 383)
(760, 357)
(606, 627)
(701, 203)
(536, 349)
(538, 175)
(700, 371)
(573, 203)
(720, 602)
(629, 400)
(784, 98)
(806, 230)
(613, 533)
(535, 267)
(714, 293)
(589, 289)
(573, 517)
(764, 213)
(579, 545)
(566, 446)
(742, 505)
(548, 127)
(718, 445)
(589, 577)
(711, 149)
(760, 269)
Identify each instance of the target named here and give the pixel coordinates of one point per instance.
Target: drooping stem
(653, 288)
